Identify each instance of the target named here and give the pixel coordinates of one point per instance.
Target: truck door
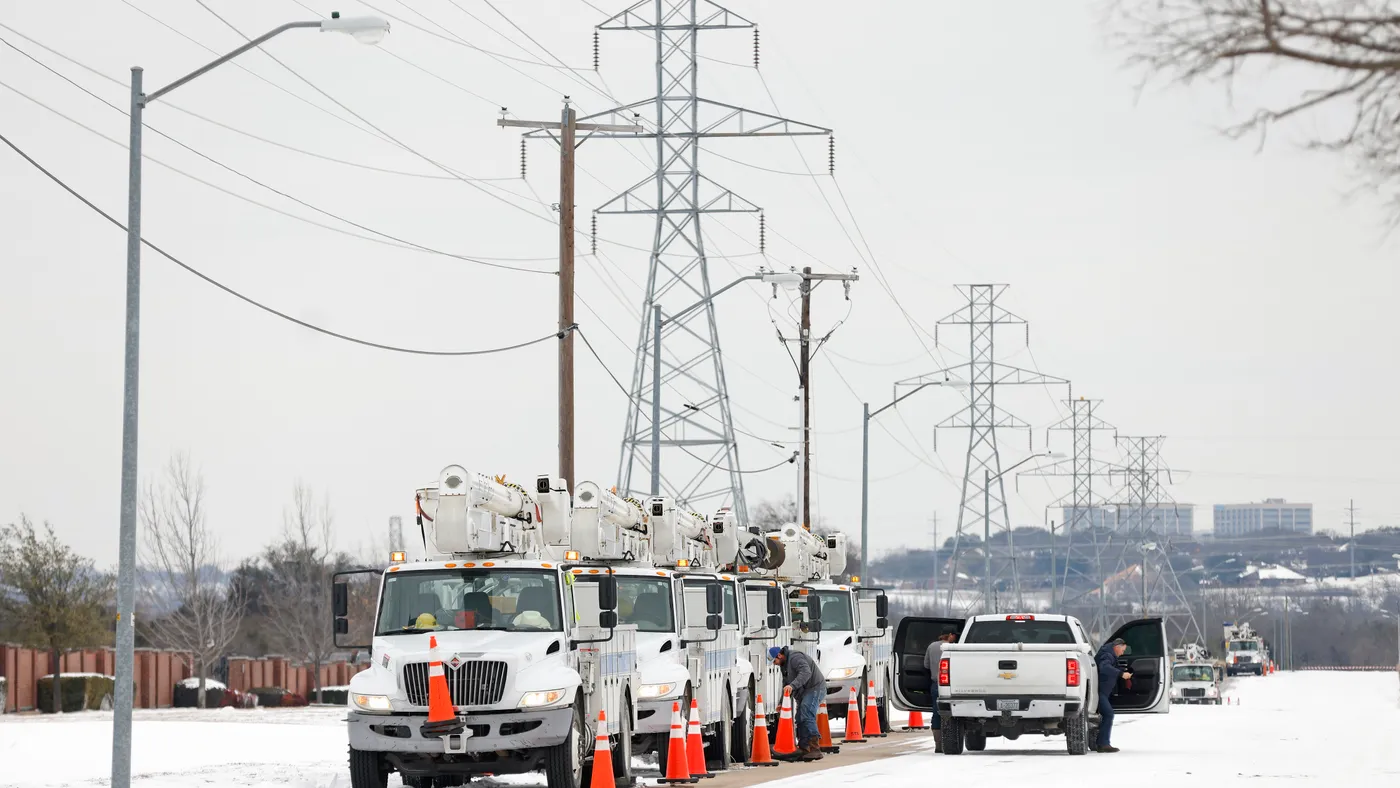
(1146, 657)
(911, 640)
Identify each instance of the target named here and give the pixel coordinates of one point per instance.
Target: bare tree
(1352, 46)
(297, 598)
(189, 607)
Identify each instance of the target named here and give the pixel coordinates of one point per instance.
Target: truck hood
(837, 651)
(655, 666)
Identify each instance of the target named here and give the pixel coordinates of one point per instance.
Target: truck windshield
(1193, 673)
(514, 600)
(1019, 631)
(836, 611)
(1244, 645)
(646, 602)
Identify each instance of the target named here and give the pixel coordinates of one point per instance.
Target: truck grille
(473, 683)
(1193, 692)
(1244, 658)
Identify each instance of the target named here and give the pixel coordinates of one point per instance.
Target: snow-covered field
(1290, 728)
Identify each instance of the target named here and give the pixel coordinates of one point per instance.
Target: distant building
(1271, 576)
(1274, 514)
(1164, 519)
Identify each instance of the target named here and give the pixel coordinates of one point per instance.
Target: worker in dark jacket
(808, 686)
(1109, 673)
(932, 657)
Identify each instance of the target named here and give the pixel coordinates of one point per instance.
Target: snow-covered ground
(1303, 728)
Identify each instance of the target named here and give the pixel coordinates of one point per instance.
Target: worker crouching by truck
(808, 687)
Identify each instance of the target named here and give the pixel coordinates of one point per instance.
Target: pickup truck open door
(911, 640)
(1148, 692)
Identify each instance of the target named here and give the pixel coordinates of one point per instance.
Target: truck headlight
(657, 690)
(1212, 692)
(374, 704)
(836, 674)
(532, 700)
(1176, 692)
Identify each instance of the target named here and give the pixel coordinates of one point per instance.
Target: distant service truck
(1195, 683)
(1244, 651)
(1015, 674)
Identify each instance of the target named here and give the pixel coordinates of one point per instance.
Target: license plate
(1008, 705)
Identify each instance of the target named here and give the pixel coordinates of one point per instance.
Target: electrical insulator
(831, 154)
(762, 234)
(522, 160)
(595, 50)
(593, 238)
(755, 46)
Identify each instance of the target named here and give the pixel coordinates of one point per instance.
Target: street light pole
(367, 30)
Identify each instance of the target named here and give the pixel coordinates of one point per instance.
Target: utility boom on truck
(530, 656)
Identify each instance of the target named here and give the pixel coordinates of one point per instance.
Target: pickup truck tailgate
(1000, 669)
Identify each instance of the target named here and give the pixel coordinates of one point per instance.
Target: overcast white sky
(1235, 302)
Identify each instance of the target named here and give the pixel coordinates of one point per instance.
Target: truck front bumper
(838, 691)
(654, 716)
(1027, 706)
(490, 732)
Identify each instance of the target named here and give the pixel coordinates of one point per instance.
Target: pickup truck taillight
(943, 672)
(1071, 672)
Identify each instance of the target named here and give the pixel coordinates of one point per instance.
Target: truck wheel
(951, 731)
(563, 763)
(976, 741)
(743, 730)
(718, 745)
(883, 707)
(368, 769)
(1077, 734)
(622, 752)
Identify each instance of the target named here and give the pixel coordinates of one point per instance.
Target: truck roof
(476, 563)
(1027, 616)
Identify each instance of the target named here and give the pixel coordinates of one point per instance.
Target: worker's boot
(812, 749)
(1108, 748)
(937, 740)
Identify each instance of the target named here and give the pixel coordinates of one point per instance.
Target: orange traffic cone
(872, 714)
(602, 756)
(442, 719)
(853, 719)
(916, 721)
(824, 730)
(759, 754)
(677, 770)
(786, 743)
(694, 744)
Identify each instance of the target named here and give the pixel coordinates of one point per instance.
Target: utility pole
(936, 564)
(804, 383)
(1351, 545)
(567, 126)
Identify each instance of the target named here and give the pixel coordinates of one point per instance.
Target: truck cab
(1195, 683)
(1244, 654)
(531, 657)
(1010, 675)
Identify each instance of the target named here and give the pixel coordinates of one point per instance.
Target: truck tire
(622, 751)
(883, 707)
(1077, 734)
(368, 769)
(718, 745)
(951, 731)
(742, 735)
(976, 741)
(564, 762)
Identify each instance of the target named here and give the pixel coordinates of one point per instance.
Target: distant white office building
(1165, 519)
(1239, 519)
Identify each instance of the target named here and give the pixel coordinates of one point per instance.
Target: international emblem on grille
(456, 661)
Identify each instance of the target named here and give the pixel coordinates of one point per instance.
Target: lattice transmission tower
(982, 512)
(1143, 582)
(700, 457)
(1077, 575)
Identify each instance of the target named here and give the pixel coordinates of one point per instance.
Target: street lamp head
(955, 384)
(1056, 455)
(365, 29)
(788, 279)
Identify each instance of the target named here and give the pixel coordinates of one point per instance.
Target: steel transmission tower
(699, 451)
(1142, 549)
(983, 511)
(1077, 578)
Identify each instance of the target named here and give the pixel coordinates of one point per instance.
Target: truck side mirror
(814, 626)
(607, 596)
(714, 601)
(607, 619)
(882, 608)
(713, 622)
(814, 608)
(775, 621)
(882, 623)
(775, 601)
(340, 601)
(342, 627)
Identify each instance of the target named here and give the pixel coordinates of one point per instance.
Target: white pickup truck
(1014, 674)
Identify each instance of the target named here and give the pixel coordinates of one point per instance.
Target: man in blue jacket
(1109, 673)
(808, 685)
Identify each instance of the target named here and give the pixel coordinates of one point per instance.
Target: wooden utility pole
(568, 126)
(804, 375)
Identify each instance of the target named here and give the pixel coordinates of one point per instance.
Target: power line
(249, 300)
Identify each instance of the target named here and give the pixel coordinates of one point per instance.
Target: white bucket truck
(530, 656)
(850, 634)
(687, 626)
